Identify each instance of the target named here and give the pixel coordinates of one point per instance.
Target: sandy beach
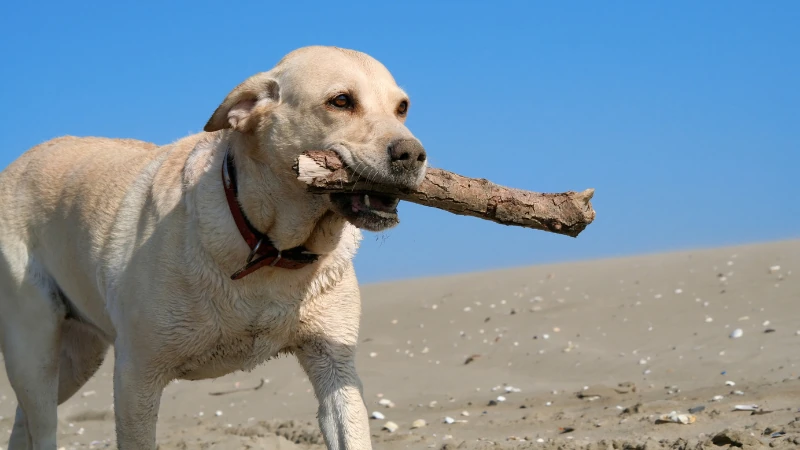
(583, 355)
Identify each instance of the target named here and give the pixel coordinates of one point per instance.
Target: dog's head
(331, 99)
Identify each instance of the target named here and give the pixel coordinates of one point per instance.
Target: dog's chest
(239, 341)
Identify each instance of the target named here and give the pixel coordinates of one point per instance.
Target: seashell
(674, 417)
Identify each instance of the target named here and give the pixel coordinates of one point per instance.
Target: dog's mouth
(370, 211)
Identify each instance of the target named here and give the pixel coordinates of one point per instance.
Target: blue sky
(684, 116)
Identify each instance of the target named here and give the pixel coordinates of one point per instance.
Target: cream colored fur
(120, 242)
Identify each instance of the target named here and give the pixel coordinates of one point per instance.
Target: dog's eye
(402, 108)
(342, 101)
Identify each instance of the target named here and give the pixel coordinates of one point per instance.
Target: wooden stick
(566, 213)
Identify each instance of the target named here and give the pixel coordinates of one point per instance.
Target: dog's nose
(407, 154)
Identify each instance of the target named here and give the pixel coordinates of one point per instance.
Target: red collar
(262, 251)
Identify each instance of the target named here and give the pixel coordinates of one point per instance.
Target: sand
(637, 337)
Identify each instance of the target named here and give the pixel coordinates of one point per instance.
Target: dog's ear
(238, 108)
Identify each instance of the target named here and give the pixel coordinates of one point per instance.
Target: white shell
(419, 423)
(745, 408)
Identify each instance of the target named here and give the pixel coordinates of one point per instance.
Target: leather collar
(262, 251)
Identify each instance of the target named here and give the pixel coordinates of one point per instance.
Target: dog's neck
(277, 205)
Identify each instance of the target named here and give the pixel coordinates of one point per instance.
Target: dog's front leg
(137, 396)
(342, 414)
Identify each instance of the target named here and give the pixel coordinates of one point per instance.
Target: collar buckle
(277, 258)
(254, 251)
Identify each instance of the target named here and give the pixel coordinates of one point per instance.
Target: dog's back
(69, 175)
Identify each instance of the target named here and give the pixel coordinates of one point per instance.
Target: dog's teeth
(366, 200)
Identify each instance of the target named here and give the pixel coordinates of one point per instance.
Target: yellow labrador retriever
(202, 257)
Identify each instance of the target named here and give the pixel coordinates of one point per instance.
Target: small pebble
(390, 426)
(449, 420)
(218, 413)
(730, 383)
(419, 423)
(378, 415)
(737, 333)
(386, 402)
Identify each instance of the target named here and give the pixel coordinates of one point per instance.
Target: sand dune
(636, 337)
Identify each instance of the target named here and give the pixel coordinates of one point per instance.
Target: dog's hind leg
(20, 438)
(31, 327)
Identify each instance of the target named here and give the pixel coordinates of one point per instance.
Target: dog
(205, 256)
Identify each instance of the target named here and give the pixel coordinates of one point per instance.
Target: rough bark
(566, 213)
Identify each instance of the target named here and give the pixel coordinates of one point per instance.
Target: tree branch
(566, 213)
